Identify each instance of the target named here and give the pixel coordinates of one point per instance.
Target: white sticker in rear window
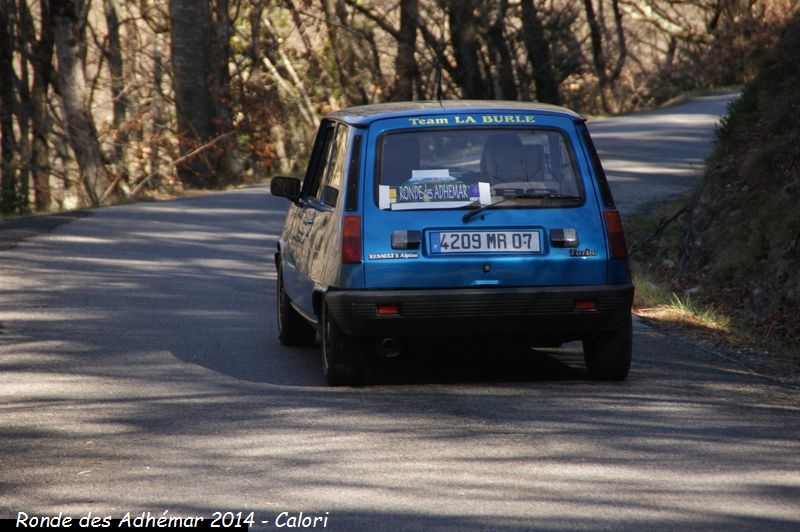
(432, 189)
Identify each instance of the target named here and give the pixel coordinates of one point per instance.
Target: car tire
(608, 353)
(343, 356)
(293, 329)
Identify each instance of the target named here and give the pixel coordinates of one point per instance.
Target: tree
(406, 71)
(596, 32)
(199, 77)
(539, 54)
(119, 93)
(41, 58)
(113, 52)
(464, 36)
(9, 201)
(505, 87)
(70, 40)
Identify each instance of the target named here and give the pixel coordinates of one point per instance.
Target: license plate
(484, 242)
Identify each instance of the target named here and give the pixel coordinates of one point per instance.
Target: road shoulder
(15, 230)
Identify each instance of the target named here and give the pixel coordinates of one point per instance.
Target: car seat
(505, 159)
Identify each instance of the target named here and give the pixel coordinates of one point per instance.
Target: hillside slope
(742, 249)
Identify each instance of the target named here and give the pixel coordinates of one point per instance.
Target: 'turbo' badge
(582, 253)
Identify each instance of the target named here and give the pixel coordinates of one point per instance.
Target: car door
(323, 251)
(298, 283)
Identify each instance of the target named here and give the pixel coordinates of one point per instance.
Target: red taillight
(351, 239)
(586, 304)
(616, 236)
(388, 310)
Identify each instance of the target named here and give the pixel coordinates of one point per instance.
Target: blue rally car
(456, 217)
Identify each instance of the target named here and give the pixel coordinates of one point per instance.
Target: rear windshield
(451, 168)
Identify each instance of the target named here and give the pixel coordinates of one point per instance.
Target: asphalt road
(140, 372)
(655, 156)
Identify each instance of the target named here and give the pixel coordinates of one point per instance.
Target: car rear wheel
(292, 328)
(343, 355)
(608, 353)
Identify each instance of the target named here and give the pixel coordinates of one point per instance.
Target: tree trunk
(302, 30)
(228, 165)
(193, 69)
(336, 20)
(9, 201)
(81, 130)
(622, 47)
(464, 35)
(539, 55)
(505, 86)
(120, 102)
(158, 121)
(42, 62)
(23, 114)
(598, 57)
(405, 66)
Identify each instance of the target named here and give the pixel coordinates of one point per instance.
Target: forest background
(105, 100)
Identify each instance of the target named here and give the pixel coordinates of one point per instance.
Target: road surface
(655, 156)
(140, 372)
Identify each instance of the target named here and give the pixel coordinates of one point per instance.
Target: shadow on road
(178, 278)
(140, 371)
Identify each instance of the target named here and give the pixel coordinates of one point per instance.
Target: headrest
(506, 159)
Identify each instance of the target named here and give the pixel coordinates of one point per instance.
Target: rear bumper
(530, 310)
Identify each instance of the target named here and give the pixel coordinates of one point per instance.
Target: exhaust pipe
(389, 347)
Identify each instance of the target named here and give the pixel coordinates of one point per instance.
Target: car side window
(332, 182)
(605, 189)
(322, 162)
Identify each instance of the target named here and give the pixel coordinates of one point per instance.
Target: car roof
(364, 115)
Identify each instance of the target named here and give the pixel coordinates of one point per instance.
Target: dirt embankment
(742, 247)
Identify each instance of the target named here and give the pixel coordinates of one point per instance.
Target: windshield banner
(432, 189)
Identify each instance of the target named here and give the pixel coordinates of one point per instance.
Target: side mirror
(285, 187)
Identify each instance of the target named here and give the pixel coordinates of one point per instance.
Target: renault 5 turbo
(452, 218)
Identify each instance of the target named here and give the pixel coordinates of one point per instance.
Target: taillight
(616, 236)
(388, 310)
(351, 239)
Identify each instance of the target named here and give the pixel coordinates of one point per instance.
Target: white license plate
(484, 242)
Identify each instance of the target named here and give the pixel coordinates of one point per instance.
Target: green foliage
(740, 112)
(13, 193)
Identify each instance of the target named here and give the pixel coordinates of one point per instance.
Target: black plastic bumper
(550, 310)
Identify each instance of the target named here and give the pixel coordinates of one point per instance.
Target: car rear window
(451, 168)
